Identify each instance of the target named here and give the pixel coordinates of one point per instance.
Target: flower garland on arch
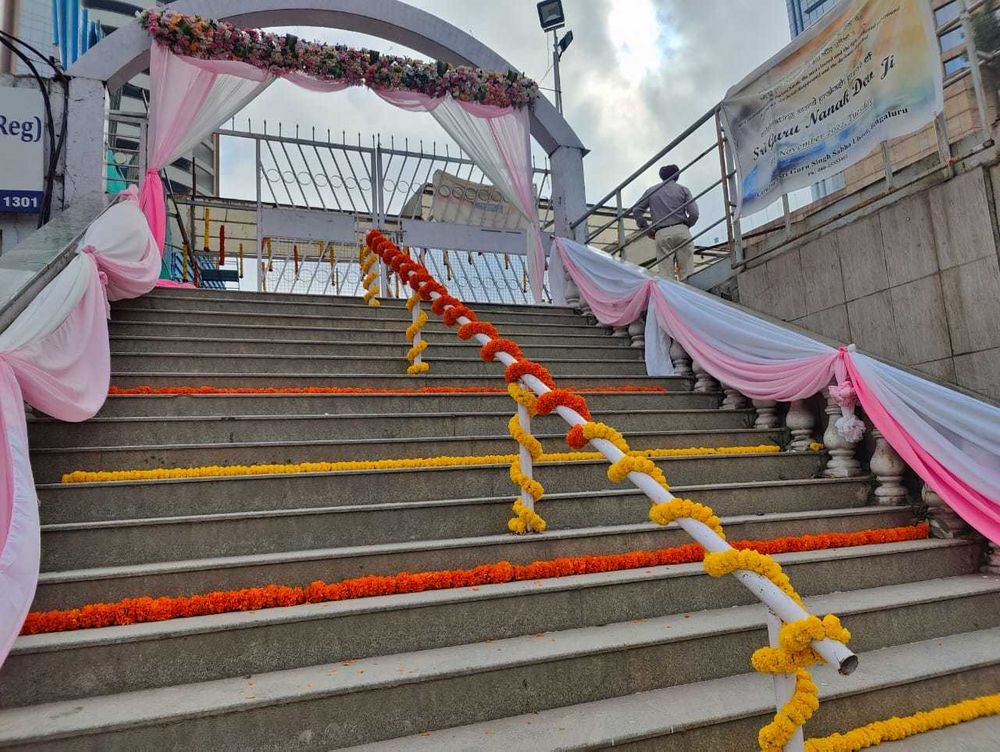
(210, 39)
(805, 699)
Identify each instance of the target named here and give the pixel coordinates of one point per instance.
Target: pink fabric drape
(972, 506)
(780, 380)
(611, 307)
(55, 356)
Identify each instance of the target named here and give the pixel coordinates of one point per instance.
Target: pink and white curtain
(55, 356)
(950, 439)
(190, 98)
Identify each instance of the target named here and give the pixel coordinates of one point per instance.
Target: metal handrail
(780, 604)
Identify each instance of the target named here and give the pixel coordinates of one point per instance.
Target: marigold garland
(489, 351)
(664, 514)
(412, 331)
(894, 729)
(805, 699)
(413, 463)
(525, 518)
(579, 436)
(146, 609)
(524, 397)
(367, 258)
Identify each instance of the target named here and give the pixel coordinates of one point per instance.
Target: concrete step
(50, 464)
(160, 498)
(288, 377)
(69, 588)
(360, 364)
(382, 697)
(143, 656)
(266, 298)
(445, 348)
(724, 715)
(613, 506)
(680, 427)
(280, 405)
(119, 542)
(510, 324)
(323, 331)
(326, 306)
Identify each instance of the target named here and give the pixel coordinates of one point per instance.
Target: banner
(868, 72)
(467, 203)
(22, 153)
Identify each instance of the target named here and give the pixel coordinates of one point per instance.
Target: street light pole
(556, 54)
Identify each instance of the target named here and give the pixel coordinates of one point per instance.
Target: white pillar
(733, 400)
(800, 422)
(637, 331)
(680, 359)
(944, 522)
(85, 155)
(568, 198)
(703, 380)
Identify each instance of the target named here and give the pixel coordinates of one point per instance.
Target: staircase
(641, 659)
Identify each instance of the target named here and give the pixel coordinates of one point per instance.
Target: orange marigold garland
(468, 331)
(118, 391)
(146, 609)
(488, 351)
(521, 368)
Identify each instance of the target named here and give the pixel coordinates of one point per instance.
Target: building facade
(66, 29)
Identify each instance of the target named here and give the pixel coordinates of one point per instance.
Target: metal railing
(714, 187)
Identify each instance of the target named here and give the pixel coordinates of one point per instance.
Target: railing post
(944, 522)
(784, 684)
(787, 213)
(703, 379)
(260, 230)
(887, 166)
(888, 468)
(621, 221)
(800, 422)
(767, 414)
(681, 360)
(733, 400)
(727, 207)
(637, 331)
(731, 178)
(417, 336)
(843, 463)
(524, 418)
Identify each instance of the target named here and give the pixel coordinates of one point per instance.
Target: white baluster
(888, 468)
(680, 359)
(843, 463)
(703, 380)
(637, 331)
(783, 684)
(572, 292)
(767, 414)
(800, 422)
(620, 332)
(945, 523)
(734, 400)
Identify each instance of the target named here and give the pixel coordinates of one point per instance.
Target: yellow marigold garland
(664, 514)
(619, 470)
(525, 519)
(894, 729)
(218, 471)
(368, 259)
(793, 654)
(592, 430)
(411, 333)
(524, 397)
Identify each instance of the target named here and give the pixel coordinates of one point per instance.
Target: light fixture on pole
(552, 18)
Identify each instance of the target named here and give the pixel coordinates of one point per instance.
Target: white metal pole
(555, 69)
(977, 74)
(784, 684)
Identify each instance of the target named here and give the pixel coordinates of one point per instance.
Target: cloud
(638, 73)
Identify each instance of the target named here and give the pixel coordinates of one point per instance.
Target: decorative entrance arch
(125, 53)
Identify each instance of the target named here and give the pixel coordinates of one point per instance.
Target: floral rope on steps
(624, 464)
(894, 729)
(146, 609)
(407, 463)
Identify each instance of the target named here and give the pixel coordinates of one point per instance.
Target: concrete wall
(917, 282)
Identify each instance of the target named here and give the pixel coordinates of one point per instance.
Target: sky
(637, 74)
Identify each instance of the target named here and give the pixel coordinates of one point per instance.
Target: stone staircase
(640, 659)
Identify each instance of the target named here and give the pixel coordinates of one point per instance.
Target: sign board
(466, 203)
(22, 152)
(868, 72)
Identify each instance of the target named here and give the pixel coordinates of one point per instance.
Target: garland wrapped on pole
(210, 39)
